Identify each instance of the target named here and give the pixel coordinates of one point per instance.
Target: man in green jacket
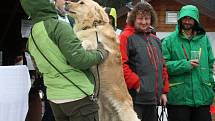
(189, 60)
(63, 62)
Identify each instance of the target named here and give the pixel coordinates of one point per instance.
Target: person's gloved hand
(104, 53)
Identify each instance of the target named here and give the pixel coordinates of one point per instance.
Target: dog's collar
(95, 23)
(86, 27)
(99, 22)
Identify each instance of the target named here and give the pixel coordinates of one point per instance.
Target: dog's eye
(81, 2)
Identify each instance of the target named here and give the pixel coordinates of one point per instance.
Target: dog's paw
(88, 45)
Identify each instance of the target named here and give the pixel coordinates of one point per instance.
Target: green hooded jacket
(192, 87)
(58, 42)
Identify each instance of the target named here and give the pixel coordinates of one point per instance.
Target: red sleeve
(165, 78)
(131, 78)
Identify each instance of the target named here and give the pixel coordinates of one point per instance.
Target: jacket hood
(193, 12)
(189, 10)
(39, 10)
(112, 13)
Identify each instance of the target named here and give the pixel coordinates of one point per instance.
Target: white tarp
(14, 88)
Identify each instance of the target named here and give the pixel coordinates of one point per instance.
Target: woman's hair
(142, 7)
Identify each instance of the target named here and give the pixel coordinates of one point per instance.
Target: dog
(92, 26)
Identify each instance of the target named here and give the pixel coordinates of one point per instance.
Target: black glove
(104, 53)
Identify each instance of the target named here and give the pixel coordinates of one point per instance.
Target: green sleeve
(210, 61)
(64, 37)
(174, 67)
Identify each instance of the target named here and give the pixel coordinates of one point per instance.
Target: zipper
(156, 64)
(156, 67)
(149, 53)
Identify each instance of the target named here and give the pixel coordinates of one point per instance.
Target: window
(171, 17)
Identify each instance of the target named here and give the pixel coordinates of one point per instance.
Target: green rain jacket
(192, 87)
(63, 49)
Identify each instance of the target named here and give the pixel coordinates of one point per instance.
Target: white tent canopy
(14, 88)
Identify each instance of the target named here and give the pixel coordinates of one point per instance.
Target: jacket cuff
(166, 89)
(133, 82)
(137, 84)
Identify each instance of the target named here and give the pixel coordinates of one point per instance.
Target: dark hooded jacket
(189, 86)
(59, 44)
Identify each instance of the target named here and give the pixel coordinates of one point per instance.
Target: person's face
(110, 20)
(142, 21)
(60, 4)
(187, 23)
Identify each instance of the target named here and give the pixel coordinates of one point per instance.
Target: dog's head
(86, 10)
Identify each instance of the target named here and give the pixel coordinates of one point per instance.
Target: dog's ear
(102, 14)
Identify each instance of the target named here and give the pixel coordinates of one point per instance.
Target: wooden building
(167, 11)
(206, 8)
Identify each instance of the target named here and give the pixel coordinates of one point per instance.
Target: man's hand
(163, 99)
(138, 89)
(194, 63)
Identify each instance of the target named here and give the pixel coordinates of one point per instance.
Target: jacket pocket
(143, 53)
(146, 85)
(206, 93)
(175, 84)
(177, 93)
(203, 75)
(89, 113)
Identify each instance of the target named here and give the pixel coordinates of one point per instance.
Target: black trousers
(146, 112)
(188, 113)
(48, 114)
(80, 110)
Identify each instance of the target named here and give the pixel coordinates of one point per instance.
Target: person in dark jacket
(143, 64)
(189, 59)
(63, 62)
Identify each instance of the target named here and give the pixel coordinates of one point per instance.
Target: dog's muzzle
(66, 6)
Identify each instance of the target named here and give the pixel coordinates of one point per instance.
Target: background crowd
(177, 72)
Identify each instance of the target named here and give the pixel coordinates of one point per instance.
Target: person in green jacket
(64, 63)
(189, 60)
(62, 14)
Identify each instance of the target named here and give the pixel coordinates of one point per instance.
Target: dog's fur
(114, 100)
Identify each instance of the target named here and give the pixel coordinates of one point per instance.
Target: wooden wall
(161, 6)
